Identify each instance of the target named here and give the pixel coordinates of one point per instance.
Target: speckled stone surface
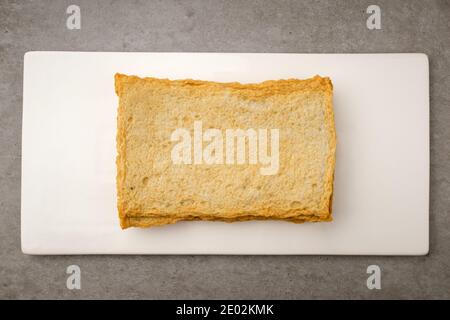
(228, 26)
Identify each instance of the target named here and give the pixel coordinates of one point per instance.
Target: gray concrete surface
(229, 26)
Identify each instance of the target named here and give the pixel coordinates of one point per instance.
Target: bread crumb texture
(153, 191)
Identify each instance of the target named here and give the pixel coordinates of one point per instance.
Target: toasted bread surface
(152, 190)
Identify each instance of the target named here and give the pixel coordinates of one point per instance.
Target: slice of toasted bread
(154, 188)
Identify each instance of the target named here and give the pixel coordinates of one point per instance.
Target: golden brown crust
(149, 222)
(138, 217)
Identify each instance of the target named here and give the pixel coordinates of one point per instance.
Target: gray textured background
(229, 26)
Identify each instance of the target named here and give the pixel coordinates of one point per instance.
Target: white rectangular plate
(381, 187)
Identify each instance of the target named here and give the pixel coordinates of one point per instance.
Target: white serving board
(381, 189)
